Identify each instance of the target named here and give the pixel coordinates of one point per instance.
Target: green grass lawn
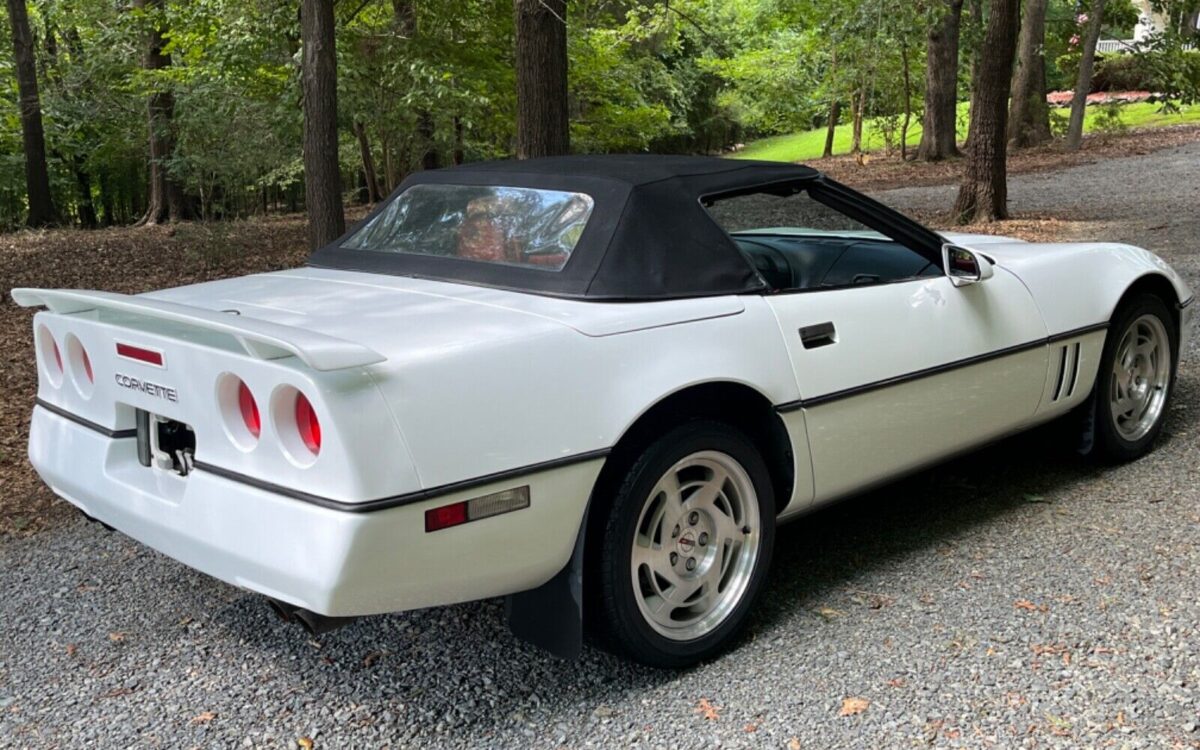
(809, 144)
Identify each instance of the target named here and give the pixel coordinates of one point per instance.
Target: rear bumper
(330, 561)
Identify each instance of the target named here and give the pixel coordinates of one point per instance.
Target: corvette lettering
(150, 389)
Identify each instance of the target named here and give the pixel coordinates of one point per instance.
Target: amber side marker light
(476, 508)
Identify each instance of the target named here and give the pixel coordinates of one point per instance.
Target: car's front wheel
(1137, 373)
(687, 545)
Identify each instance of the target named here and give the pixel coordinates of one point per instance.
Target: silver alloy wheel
(697, 540)
(1141, 377)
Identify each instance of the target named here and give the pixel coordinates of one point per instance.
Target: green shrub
(1109, 121)
(1060, 119)
(1123, 73)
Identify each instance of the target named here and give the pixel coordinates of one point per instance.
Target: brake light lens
(87, 364)
(249, 409)
(51, 357)
(307, 424)
(140, 354)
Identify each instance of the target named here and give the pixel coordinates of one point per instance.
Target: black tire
(1110, 444)
(623, 626)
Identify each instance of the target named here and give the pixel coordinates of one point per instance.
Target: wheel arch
(734, 403)
(1158, 285)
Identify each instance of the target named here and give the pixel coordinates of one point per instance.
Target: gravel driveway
(1018, 597)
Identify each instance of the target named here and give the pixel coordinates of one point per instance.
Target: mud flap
(1087, 426)
(551, 616)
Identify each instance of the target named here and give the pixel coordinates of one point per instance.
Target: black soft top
(648, 238)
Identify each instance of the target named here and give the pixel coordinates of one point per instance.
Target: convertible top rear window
(613, 228)
(486, 223)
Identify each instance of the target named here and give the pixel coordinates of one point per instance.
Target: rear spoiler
(259, 338)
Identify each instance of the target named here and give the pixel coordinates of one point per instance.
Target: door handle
(816, 336)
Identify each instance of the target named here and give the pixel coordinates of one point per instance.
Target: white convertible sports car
(592, 385)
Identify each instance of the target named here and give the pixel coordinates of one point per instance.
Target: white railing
(1118, 46)
(1124, 46)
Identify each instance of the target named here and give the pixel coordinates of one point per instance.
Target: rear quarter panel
(515, 402)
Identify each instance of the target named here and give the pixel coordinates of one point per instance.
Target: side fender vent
(1068, 371)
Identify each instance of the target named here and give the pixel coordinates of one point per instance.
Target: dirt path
(1151, 200)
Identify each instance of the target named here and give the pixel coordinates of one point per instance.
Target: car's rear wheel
(1137, 374)
(687, 545)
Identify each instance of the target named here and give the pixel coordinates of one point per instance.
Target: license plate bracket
(164, 443)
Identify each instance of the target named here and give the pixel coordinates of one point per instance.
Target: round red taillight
(307, 424)
(87, 364)
(249, 409)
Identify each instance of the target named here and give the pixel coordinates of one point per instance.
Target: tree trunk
(427, 141)
(907, 103)
(37, 176)
(939, 136)
(322, 177)
(983, 195)
(167, 201)
(1028, 115)
(543, 126)
(1083, 86)
(368, 162)
(857, 104)
(458, 156)
(107, 209)
(835, 111)
(83, 187)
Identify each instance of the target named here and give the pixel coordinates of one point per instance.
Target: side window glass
(796, 242)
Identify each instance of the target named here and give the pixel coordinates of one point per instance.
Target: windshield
(490, 224)
(792, 214)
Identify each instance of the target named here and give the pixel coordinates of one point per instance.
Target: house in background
(1150, 23)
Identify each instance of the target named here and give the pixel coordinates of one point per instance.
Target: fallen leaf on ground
(794, 743)
(71, 649)
(116, 636)
(829, 612)
(116, 692)
(371, 658)
(1059, 727)
(203, 717)
(708, 710)
(853, 706)
(305, 743)
(1029, 606)
(897, 682)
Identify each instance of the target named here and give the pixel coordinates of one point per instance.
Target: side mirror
(965, 266)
